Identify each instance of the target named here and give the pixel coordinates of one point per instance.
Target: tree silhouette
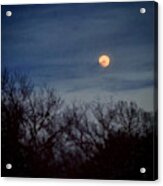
(44, 137)
(16, 89)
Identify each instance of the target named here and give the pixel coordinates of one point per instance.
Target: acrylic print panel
(79, 91)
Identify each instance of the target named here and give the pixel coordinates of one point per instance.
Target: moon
(104, 61)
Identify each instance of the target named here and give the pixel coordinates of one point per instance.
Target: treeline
(44, 137)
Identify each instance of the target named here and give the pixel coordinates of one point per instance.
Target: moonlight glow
(104, 61)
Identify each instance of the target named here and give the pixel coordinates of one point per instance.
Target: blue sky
(59, 45)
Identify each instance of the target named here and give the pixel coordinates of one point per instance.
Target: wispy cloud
(60, 45)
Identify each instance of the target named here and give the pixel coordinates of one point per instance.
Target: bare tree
(15, 90)
(49, 138)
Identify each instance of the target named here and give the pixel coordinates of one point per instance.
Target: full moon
(104, 61)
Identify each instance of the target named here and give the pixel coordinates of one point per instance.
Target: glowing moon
(104, 61)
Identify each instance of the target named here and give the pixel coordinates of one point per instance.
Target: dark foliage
(42, 137)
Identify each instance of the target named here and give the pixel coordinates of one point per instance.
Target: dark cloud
(56, 43)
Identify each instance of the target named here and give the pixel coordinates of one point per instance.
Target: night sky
(59, 45)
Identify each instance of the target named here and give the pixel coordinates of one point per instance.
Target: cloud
(60, 45)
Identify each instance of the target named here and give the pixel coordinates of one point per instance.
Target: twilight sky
(59, 45)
